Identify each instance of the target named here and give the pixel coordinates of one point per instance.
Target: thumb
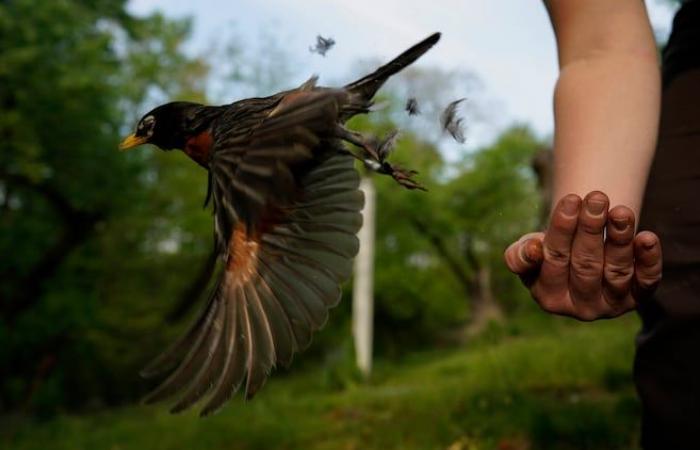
(525, 255)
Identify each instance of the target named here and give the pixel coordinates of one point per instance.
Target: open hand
(588, 264)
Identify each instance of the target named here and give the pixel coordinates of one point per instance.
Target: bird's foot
(402, 176)
(375, 156)
(358, 140)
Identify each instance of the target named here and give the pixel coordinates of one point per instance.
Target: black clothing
(667, 363)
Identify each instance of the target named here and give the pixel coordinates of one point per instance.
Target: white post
(362, 292)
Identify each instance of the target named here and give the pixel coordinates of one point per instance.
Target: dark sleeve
(682, 52)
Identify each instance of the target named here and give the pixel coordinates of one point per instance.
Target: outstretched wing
(288, 227)
(255, 162)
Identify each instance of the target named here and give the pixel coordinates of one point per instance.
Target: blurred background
(105, 255)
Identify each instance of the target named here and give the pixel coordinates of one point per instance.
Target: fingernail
(524, 255)
(620, 224)
(648, 244)
(595, 206)
(570, 206)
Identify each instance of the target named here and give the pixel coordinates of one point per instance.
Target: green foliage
(100, 246)
(494, 195)
(489, 200)
(79, 221)
(494, 200)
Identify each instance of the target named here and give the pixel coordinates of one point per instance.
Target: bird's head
(166, 126)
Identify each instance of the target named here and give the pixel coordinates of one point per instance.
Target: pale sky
(508, 44)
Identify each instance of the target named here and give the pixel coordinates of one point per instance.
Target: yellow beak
(132, 141)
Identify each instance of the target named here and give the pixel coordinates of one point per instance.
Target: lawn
(533, 384)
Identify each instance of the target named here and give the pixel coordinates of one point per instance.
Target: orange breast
(243, 256)
(198, 148)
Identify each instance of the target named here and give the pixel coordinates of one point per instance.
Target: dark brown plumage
(286, 210)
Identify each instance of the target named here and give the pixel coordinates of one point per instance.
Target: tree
(492, 201)
(457, 231)
(72, 75)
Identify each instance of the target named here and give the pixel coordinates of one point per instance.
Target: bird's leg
(358, 140)
(375, 161)
(371, 164)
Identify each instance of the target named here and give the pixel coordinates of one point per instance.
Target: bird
(322, 45)
(412, 106)
(286, 210)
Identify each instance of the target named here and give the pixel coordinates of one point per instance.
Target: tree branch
(54, 197)
(78, 225)
(465, 279)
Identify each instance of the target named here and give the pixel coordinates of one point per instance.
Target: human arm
(606, 106)
(606, 100)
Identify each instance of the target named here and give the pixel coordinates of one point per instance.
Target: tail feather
(368, 86)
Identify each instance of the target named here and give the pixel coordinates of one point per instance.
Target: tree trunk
(485, 308)
(476, 286)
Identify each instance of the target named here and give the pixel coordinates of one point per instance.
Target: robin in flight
(287, 208)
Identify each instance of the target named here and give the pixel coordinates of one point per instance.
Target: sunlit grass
(542, 384)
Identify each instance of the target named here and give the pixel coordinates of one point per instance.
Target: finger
(531, 250)
(647, 264)
(618, 270)
(525, 255)
(551, 288)
(587, 257)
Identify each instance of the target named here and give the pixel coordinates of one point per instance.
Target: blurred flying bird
(322, 45)
(451, 123)
(286, 210)
(412, 106)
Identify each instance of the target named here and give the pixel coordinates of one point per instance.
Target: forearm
(606, 102)
(606, 118)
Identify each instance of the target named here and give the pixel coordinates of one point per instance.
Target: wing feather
(275, 291)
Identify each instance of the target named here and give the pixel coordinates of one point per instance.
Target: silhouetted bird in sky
(412, 106)
(452, 123)
(322, 45)
(286, 210)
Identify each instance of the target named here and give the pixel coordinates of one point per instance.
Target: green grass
(549, 384)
